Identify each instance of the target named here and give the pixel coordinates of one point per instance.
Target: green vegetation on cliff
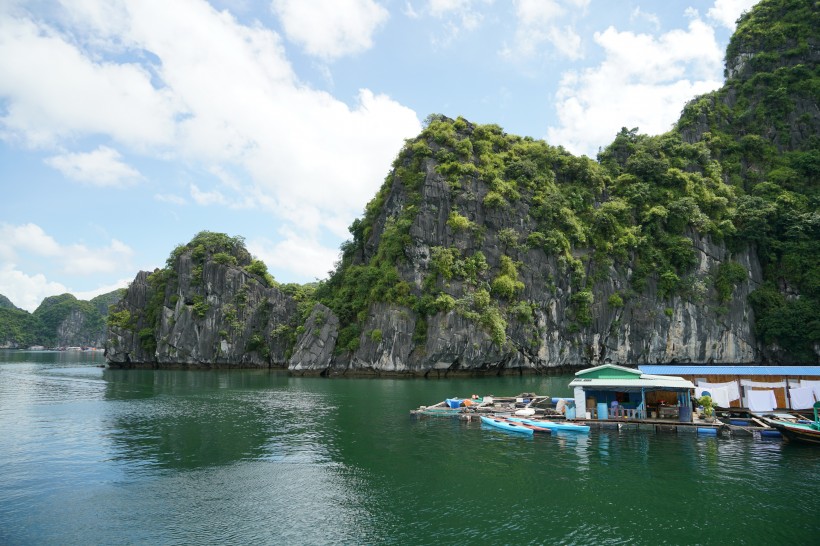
(222, 299)
(58, 321)
(740, 168)
(547, 253)
(764, 129)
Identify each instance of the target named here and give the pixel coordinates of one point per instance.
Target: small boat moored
(802, 432)
(564, 427)
(509, 426)
(797, 432)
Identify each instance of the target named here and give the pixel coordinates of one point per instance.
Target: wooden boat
(509, 426)
(804, 433)
(565, 427)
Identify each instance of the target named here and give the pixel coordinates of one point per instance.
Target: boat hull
(803, 434)
(507, 425)
(561, 427)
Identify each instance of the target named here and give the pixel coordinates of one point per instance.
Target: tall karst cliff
(213, 305)
(486, 252)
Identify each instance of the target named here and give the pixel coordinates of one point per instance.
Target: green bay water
(96, 456)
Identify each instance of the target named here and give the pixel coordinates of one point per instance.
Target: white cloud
(30, 237)
(206, 198)
(27, 291)
(300, 255)
(224, 100)
(457, 15)
(74, 259)
(541, 22)
(726, 12)
(330, 29)
(650, 18)
(78, 259)
(170, 198)
(104, 289)
(644, 81)
(103, 167)
(54, 91)
(440, 7)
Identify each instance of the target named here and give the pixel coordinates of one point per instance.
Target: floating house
(611, 391)
(759, 389)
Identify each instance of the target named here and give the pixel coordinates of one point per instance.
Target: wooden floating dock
(543, 408)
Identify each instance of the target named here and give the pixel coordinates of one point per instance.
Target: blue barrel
(708, 431)
(570, 412)
(603, 410)
(685, 414)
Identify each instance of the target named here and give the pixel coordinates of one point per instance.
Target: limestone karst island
(516, 345)
(485, 252)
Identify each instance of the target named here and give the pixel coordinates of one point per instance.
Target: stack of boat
(531, 426)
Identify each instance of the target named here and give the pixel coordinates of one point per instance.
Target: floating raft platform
(543, 408)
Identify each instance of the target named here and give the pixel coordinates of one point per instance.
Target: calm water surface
(94, 456)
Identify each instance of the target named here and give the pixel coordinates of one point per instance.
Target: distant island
(485, 252)
(58, 322)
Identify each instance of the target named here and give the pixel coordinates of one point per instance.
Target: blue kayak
(506, 425)
(568, 427)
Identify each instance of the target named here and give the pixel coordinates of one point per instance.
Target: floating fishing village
(760, 401)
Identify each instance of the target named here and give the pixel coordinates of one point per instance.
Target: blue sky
(126, 127)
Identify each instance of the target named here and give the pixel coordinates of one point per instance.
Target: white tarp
(720, 395)
(730, 386)
(802, 398)
(813, 385)
(762, 401)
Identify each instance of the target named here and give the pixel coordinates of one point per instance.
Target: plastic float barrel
(707, 431)
(770, 433)
(603, 411)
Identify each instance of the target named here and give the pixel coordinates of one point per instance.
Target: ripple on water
(160, 457)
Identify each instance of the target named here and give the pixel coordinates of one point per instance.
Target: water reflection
(186, 420)
(181, 457)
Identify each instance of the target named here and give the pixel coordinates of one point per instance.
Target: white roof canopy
(642, 381)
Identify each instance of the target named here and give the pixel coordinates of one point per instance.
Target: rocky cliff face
(540, 324)
(485, 252)
(211, 307)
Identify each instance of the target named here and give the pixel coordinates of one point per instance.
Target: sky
(128, 126)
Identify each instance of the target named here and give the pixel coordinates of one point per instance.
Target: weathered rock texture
(201, 314)
(489, 253)
(648, 328)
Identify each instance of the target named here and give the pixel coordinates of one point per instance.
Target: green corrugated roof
(610, 376)
(609, 371)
